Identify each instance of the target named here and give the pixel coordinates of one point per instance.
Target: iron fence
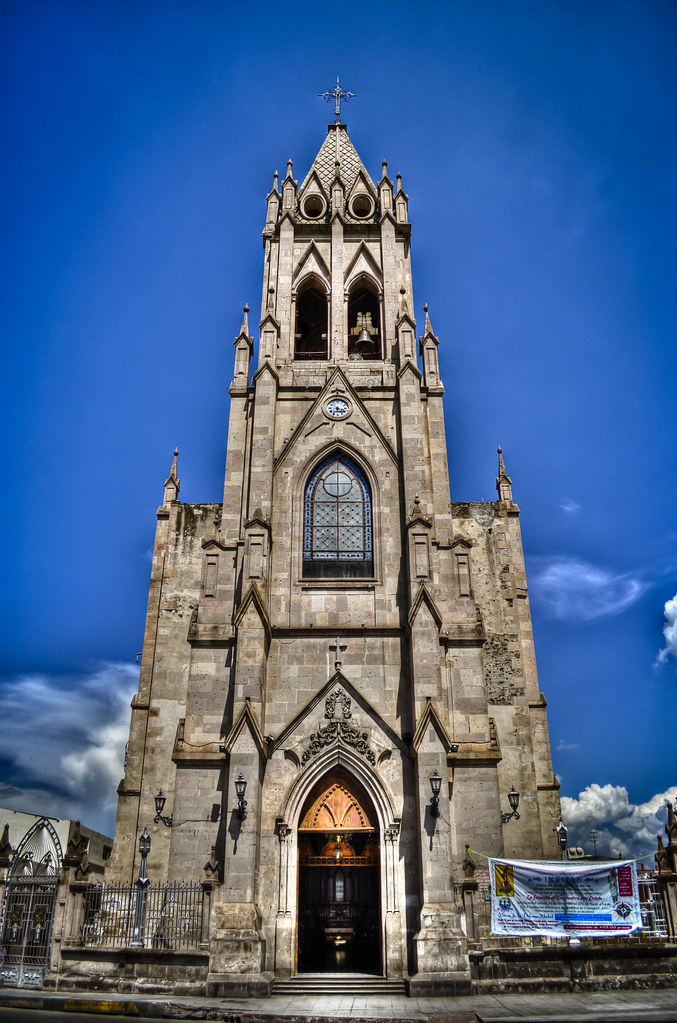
(173, 916)
(653, 907)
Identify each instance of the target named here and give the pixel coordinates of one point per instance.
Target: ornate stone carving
(339, 731)
(337, 706)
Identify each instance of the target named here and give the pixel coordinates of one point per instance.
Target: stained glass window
(337, 534)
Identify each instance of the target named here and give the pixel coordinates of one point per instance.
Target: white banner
(564, 899)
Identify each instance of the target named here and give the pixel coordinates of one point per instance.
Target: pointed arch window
(337, 524)
(312, 322)
(364, 322)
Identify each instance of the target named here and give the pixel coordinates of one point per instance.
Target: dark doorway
(312, 319)
(339, 887)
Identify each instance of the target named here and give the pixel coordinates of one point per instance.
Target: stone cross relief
(338, 647)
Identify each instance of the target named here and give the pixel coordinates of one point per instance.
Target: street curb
(168, 1009)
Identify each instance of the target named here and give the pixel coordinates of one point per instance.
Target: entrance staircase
(315, 984)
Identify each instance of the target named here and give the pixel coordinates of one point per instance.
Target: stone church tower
(336, 632)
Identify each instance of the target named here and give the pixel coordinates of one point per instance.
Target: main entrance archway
(339, 879)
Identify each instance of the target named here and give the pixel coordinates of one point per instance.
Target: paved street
(658, 1006)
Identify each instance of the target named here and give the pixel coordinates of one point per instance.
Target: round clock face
(337, 408)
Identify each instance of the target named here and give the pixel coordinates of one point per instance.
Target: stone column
(284, 922)
(393, 919)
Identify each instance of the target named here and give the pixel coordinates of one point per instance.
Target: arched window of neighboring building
(364, 322)
(337, 523)
(312, 322)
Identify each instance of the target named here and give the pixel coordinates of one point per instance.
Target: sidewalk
(659, 1006)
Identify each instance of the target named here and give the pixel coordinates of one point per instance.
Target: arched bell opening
(364, 322)
(312, 322)
(339, 906)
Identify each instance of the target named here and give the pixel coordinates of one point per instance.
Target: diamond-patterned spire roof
(337, 147)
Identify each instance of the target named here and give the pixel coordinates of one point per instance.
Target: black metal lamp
(144, 844)
(436, 786)
(240, 788)
(514, 800)
(160, 801)
(562, 837)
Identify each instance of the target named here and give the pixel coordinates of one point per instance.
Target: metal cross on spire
(337, 95)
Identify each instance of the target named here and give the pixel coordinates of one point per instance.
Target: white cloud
(669, 631)
(562, 745)
(64, 738)
(621, 826)
(578, 591)
(570, 506)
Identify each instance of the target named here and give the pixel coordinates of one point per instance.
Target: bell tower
(337, 632)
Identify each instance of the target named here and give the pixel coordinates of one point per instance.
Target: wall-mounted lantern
(240, 788)
(436, 786)
(514, 800)
(160, 801)
(562, 833)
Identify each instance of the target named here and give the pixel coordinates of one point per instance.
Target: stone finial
(671, 826)
(5, 848)
(289, 173)
(663, 865)
(271, 299)
(398, 178)
(84, 868)
(404, 308)
(172, 483)
(428, 328)
(275, 181)
(503, 481)
(76, 848)
(384, 174)
(244, 329)
(468, 864)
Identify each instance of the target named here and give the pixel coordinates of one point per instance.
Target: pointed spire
(503, 481)
(404, 308)
(289, 167)
(244, 329)
(276, 177)
(172, 483)
(428, 326)
(384, 175)
(399, 182)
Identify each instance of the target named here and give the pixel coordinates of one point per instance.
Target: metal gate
(28, 907)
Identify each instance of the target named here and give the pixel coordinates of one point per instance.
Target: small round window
(362, 206)
(313, 207)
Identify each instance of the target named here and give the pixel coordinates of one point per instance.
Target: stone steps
(338, 984)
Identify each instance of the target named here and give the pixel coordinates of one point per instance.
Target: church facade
(338, 685)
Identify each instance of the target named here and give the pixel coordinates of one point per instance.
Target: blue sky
(537, 143)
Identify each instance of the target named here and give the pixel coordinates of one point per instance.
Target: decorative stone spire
(289, 188)
(244, 346)
(401, 202)
(428, 347)
(244, 329)
(172, 483)
(273, 199)
(503, 481)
